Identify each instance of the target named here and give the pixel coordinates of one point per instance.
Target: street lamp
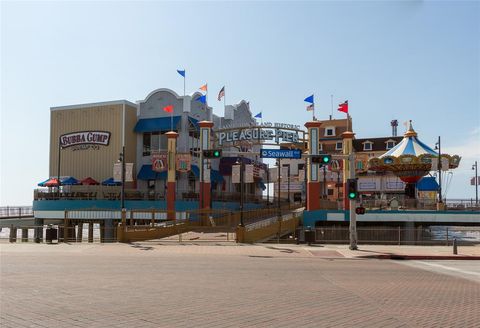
(241, 189)
(475, 167)
(58, 170)
(121, 159)
(278, 190)
(439, 168)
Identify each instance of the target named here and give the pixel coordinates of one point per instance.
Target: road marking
(450, 268)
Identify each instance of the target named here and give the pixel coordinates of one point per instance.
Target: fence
(15, 211)
(411, 204)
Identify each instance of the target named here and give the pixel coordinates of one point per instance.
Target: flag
(202, 99)
(343, 107)
(310, 107)
(221, 94)
(168, 109)
(259, 115)
(204, 87)
(182, 73)
(309, 99)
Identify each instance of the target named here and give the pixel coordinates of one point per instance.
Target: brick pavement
(151, 285)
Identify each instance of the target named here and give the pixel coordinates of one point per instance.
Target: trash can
(51, 235)
(310, 236)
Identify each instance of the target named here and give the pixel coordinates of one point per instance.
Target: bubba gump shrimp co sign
(85, 138)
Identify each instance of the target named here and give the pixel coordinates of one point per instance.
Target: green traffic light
(216, 153)
(351, 195)
(326, 159)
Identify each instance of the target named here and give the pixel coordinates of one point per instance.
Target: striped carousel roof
(410, 145)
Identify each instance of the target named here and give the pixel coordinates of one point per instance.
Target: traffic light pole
(353, 204)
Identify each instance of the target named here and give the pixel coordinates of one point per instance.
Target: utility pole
(353, 205)
(439, 167)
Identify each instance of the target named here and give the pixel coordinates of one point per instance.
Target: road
(462, 269)
(225, 285)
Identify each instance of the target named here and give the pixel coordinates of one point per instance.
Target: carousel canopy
(410, 145)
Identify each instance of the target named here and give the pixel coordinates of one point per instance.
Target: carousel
(411, 159)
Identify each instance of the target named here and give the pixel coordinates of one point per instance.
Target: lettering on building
(84, 138)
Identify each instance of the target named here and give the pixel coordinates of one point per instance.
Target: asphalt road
(152, 285)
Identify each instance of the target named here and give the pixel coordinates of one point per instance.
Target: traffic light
(360, 210)
(212, 153)
(323, 159)
(352, 191)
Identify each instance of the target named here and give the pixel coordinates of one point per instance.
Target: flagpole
(313, 112)
(171, 120)
(331, 97)
(184, 94)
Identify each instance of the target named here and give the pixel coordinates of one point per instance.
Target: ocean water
(471, 234)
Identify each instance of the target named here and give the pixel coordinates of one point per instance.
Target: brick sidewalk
(151, 285)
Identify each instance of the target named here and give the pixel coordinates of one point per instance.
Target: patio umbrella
(69, 181)
(42, 184)
(89, 182)
(53, 182)
(111, 182)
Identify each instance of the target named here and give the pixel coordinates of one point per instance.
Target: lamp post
(278, 189)
(268, 185)
(475, 167)
(241, 190)
(122, 194)
(439, 168)
(59, 162)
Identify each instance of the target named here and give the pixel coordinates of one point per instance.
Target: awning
(42, 184)
(69, 181)
(156, 124)
(110, 182)
(146, 173)
(89, 182)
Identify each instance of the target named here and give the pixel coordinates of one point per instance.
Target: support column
(205, 143)
(347, 137)
(313, 181)
(172, 152)
(90, 232)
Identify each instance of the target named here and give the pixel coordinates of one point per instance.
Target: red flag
(343, 107)
(168, 109)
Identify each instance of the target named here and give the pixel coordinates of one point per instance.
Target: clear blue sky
(414, 60)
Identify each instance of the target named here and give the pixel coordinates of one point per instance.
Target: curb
(421, 257)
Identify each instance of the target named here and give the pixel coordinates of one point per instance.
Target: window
(390, 144)
(339, 146)
(301, 166)
(146, 144)
(367, 145)
(330, 192)
(329, 131)
(359, 165)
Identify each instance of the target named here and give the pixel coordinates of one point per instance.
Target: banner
(273, 174)
(249, 173)
(235, 173)
(159, 162)
(117, 172)
(184, 162)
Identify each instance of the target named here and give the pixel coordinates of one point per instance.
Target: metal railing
(418, 204)
(400, 236)
(15, 211)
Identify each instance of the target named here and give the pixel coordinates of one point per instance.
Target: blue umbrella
(111, 182)
(69, 181)
(42, 184)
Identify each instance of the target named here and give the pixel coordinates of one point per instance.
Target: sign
(273, 174)
(301, 175)
(248, 176)
(281, 153)
(85, 138)
(294, 186)
(472, 181)
(259, 133)
(117, 172)
(159, 162)
(184, 162)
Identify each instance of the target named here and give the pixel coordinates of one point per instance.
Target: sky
(405, 60)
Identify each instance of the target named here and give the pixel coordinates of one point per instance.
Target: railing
(417, 204)
(401, 236)
(15, 211)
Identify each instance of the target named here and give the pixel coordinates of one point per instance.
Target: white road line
(449, 268)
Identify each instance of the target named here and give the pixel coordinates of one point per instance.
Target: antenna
(394, 124)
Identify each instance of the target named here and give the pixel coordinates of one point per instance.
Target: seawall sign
(281, 153)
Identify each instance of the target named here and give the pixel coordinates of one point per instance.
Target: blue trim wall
(311, 217)
(180, 205)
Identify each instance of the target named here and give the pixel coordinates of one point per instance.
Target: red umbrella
(53, 182)
(89, 182)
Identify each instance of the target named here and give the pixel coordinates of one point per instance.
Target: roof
(378, 144)
(96, 104)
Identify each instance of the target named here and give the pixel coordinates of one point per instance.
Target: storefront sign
(159, 162)
(85, 138)
(184, 162)
(281, 153)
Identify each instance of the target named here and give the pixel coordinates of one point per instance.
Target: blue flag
(309, 99)
(202, 99)
(259, 115)
(182, 73)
